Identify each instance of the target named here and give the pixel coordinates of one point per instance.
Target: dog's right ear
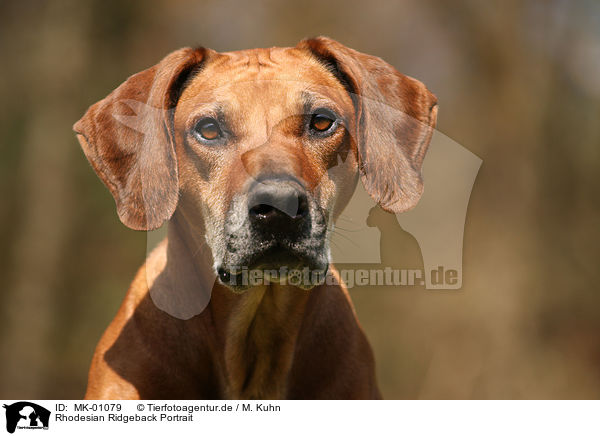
(128, 139)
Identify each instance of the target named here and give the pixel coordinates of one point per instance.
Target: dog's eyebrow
(214, 109)
(308, 102)
(311, 100)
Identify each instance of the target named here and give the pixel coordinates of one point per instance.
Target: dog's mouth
(302, 263)
(275, 262)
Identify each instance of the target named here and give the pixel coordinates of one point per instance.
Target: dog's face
(258, 137)
(261, 149)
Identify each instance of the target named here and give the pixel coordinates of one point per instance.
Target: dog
(250, 157)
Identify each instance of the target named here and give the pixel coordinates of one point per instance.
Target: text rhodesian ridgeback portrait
(250, 157)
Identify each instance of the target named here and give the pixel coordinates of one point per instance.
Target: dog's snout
(277, 205)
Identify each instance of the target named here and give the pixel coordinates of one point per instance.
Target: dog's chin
(275, 266)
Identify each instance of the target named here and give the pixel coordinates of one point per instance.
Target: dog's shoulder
(138, 291)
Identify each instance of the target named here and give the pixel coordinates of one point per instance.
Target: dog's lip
(271, 255)
(237, 283)
(268, 254)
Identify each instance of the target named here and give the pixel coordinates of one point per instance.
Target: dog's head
(260, 150)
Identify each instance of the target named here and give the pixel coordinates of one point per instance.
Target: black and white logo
(26, 415)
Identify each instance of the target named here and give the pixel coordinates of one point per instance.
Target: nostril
(262, 210)
(266, 210)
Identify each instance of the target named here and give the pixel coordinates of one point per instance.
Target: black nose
(277, 205)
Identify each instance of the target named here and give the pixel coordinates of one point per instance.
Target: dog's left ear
(128, 139)
(395, 114)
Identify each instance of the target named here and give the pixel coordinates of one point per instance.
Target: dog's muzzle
(278, 230)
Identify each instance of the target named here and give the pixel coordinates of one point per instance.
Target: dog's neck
(253, 333)
(257, 333)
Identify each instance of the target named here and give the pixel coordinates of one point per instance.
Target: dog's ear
(395, 114)
(128, 139)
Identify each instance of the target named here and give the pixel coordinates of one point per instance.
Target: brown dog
(251, 156)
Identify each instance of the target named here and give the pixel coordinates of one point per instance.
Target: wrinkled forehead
(287, 81)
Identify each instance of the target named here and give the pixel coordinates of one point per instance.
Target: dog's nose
(277, 205)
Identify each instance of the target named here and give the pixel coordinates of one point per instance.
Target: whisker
(346, 238)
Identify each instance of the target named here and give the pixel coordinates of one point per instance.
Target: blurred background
(518, 84)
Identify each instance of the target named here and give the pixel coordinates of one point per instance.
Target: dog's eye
(322, 120)
(208, 129)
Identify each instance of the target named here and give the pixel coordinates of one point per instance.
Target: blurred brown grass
(518, 84)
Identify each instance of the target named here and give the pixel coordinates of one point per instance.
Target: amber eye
(322, 120)
(208, 129)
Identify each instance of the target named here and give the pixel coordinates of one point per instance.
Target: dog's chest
(259, 346)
